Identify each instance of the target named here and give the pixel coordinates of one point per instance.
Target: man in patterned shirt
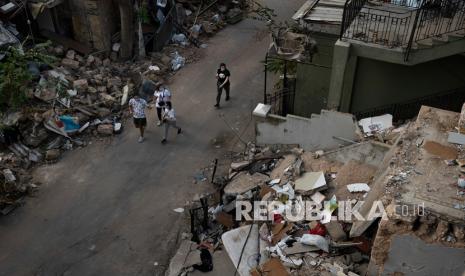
(137, 107)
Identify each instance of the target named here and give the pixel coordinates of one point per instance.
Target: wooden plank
(306, 7)
(331, 3)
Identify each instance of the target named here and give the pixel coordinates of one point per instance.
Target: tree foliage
(14, 75)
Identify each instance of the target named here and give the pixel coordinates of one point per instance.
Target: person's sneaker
(227, 98)
(141, 139)
(159, 123)
(163, 141)
(179, 130)
(217, 105)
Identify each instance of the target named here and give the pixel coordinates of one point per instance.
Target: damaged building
(412, 174)
(107, 27)
(376, 57)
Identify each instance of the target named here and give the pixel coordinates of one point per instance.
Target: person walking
(169, 120)
(162, 96)
(223, 82)
(137, 107)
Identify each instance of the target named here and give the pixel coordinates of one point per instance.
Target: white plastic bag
(315, 240)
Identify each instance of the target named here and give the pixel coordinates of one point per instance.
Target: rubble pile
(260, 213)
(205, 18)
(79, 97)
(318, 246)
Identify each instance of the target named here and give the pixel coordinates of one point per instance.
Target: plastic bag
(315, 240)
(177, 62)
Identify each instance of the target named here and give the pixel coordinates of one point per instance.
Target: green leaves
(14, 76)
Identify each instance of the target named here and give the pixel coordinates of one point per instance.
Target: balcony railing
(401, 23)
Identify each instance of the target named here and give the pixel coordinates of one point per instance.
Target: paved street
(107, 209)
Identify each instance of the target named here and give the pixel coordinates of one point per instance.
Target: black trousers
(159, 109)
(220, 91)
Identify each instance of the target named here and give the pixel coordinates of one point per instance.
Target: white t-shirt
(162, 95)
(170, 115)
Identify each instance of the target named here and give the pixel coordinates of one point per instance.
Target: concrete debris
(244, 182)
(456, 138)
(242, 245)
(9, 176)
(311, 181)
(237, 166)
(186, 256)
(385, 169)
(358, 187)
(179, 210)
(373, 125)
(335, 231)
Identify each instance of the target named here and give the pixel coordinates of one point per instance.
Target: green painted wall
(379, 83)
(313, 79)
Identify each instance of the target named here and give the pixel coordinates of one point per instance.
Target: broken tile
(358, 187)
(310, 181)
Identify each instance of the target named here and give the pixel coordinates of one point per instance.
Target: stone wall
(94, 22)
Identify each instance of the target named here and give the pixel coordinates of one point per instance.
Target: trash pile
(265, 237)
(199, 18)
(288, 211)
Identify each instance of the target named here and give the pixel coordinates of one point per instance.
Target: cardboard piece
(274, 267)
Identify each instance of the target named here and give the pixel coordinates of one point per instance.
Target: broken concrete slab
(244, 182)
(408, 255)
(222, 265)
(310, 181)
(186, 256)
(335, 231)
(456, 138)
(298, 248)
(262, 110)
(105, 129)
(315, 133)
(237, 166)
(70, 63)
(242, 246)
(280, 169)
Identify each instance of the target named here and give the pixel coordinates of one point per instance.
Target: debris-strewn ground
(80, 98)
(397, 166)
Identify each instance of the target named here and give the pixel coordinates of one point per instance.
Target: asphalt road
(107, 209)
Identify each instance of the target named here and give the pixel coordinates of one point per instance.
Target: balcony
(404, 24)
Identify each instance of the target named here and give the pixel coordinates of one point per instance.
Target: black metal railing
(351, 11)
(391, 29)
(281, 101)
(449, 100)
(440, 17)
(401, 27)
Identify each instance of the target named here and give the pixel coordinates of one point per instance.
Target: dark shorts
(140, 122)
